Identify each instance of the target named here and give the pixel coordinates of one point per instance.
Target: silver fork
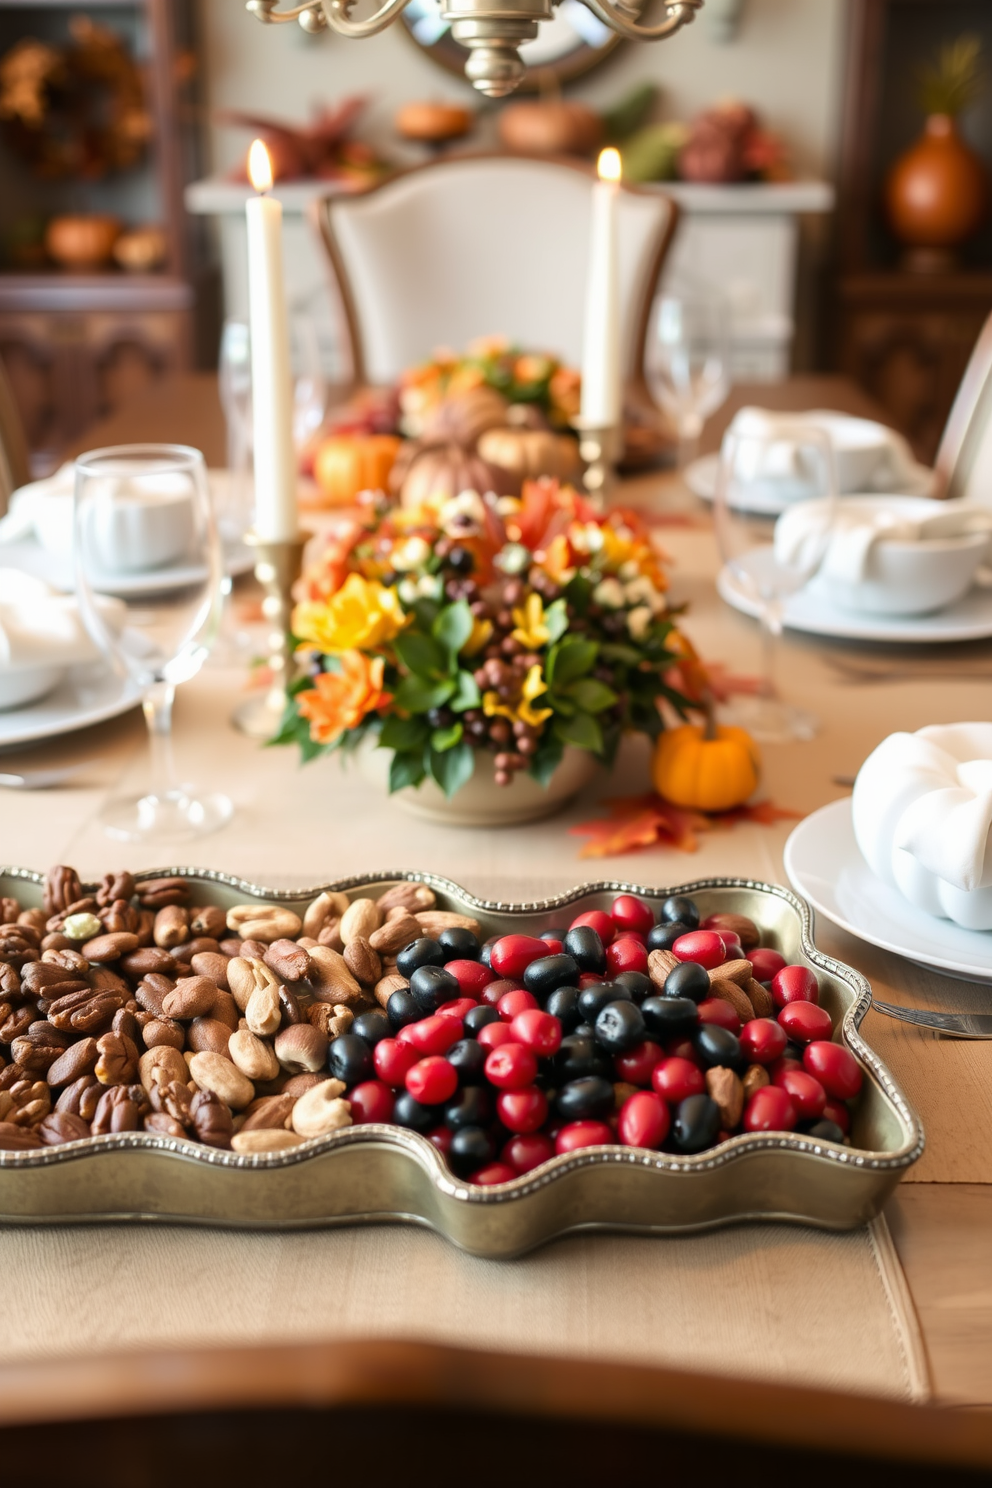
(953, 1025)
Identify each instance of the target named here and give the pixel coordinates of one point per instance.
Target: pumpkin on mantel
(346, 464)
(529, 453)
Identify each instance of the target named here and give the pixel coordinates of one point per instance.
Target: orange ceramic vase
(937, 194)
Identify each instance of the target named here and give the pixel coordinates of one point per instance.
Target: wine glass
(687, 360)
(145, 532)
(760, 475)
(234, 508)
(309, 383)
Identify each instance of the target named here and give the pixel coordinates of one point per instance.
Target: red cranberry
(538, 1031)
(392, 1058)
(497, 1172)
(626, 954)
(512, 1003)
(676, 1079)
(554, 946)
(682, 1048)
(457, 1007)
(522, 1111)
(837, 1112)
(794, 984)
(769, 1109)
(636, 1065)
(433, 1035)
(371, 1101)
(512, 954)
(732, 948)
(511, 1067)
(471, 976)
(630, 913)
(441, 1136)
(806, 1093)
(702, 946)
(780, 1066)
(805, 1021)
(835, 1067)
(589, 979)
(527, 1151)
(495, 1034)
(643, 1120)
(432, 1081)
(765, 963)
(599, 921)
(763, 1041)
(715, 1010)
(576, 1134)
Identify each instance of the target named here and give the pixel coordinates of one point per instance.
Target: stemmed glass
(145, 532)
(758, 475)
(234, 514)
(309, 383)
(687, 360)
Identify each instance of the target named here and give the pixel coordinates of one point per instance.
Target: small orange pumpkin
(346, 464)
(706, 768)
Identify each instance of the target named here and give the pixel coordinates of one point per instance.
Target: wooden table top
(941, 1221)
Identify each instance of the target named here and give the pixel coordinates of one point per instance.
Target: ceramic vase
(937, 195)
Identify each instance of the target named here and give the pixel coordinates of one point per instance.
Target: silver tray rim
(733, 1150)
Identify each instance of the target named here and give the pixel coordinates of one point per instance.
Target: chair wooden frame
(320, 216)
(970, 419)
(15, 466)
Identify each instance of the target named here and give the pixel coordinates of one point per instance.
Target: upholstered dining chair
(964, 460)
(484, 245)
(15, 469)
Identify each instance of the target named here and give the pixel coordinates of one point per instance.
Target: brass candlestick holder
(277, 567)
(599, 449)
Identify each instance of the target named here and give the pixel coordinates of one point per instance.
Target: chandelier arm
(677, 15)
(265, 10)
(337, 17)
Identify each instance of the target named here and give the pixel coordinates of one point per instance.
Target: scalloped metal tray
(386, 1174)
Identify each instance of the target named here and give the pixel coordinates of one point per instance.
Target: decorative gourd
(922, 814)
(528, 453)
(550, 126)
(346, 464)
(83, 242)
(463, 417)
(706, 768)
(433, 121)
(438, 472)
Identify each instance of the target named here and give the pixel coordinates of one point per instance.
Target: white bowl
(21, 685)
(859, 445)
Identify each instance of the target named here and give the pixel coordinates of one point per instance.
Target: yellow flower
(481, 631)
(532, 631)
(361, 616)
(524, 712)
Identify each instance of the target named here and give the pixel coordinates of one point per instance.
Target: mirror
(566, 47)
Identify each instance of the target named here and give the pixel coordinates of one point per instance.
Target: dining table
(135, 1353)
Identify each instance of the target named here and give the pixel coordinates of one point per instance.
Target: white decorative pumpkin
(922, 813)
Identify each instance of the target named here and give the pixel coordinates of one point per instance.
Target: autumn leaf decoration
(638, 822)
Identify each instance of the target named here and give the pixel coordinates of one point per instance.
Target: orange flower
(340, 700)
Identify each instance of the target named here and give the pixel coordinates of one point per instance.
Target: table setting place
(261, 1024)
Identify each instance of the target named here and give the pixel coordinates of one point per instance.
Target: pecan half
(62, 888)
(155, 893)
(152, 991)
(62, 1126)
(10, 911)
(26, 1103)
(120, 1109)
(117, 1061)
(19, 944)
(212, 1119)
(409, 896)
(115, 886)
(120, 916)
(39, 1047)
(17, 1138)
(172, 1098)
(81, 1097)
(208, 919)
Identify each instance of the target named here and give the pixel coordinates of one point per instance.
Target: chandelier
(492, 30)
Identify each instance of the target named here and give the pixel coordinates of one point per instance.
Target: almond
(736, 924)
(192, 997)
(756, 1077)
(740, 972)
(436, 920)
(217, 1073)
(660, 963)
(331, 978)
(171, 926)
(760, 999)
(726, 1090)
(268, 1111)
(730, 992)
(362, 961)
(253, 1056)
(360, 919)
(396, 934)
(326, 906)
(389, 984)
(261, 1139)
(408, 896)
(208, 1036)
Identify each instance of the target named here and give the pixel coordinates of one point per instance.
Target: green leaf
(420, 654)
(591, 696)
(405, 769)
(403, 733)
(454, 768)
(556, 620)
(415, 695)
(426, 612)
(453, 627)
(466, 693)
(578, 593)
(582, 730)
(570, 659)
(547, 759)
(625, 655)
(445, 739)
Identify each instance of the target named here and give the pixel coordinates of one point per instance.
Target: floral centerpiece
(508, 626)
(521, 377)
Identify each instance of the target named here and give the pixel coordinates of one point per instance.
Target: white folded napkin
(25, 504)
(838, 537)
(892, 465)
(40, 627)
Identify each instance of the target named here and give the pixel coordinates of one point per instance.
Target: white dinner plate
(700, 477)
(811, 610)
(824, 864)
(56, 569)
(91, 694)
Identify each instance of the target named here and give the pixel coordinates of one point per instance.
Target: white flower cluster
(637, 595)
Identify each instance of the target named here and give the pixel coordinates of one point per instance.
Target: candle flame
(260, 167)
(609, 165)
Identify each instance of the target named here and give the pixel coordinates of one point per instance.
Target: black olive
(825, 1131)
(586, 1099)
(458, 944)
(718, 1046)
(578, 1057)
(558, 935)
(422, 952)
(584, 1030)
(662, 937)
(667, 1017)
(478, 1017)
(432, 986)
(592, 1000)
(697, 1123)
(548, 972)
(471, 1149)
(620, 1027)
(486, 954)
(469, 1059)
(636, 984)
(402, 1009)
(472, 1106)
(563, 1004)
(680, 907)
(585, 946)
(688, 980)
(350, 1059)
(793, 1051)
(460, 560)
(409, 1112)
(372, 1026)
